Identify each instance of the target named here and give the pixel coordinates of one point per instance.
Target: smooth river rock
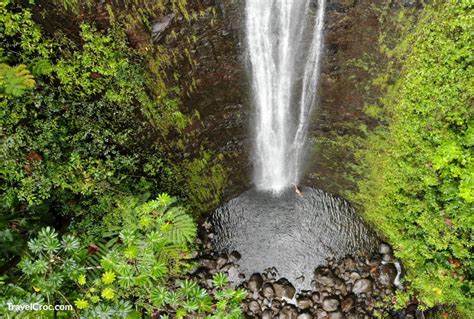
(255, 282)
(288, 312)
(362, 286)
(283, 288)
(330, 304)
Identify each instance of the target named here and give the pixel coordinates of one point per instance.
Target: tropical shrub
(97, 126)
(133, 275)
(89, 133)
(418, 188)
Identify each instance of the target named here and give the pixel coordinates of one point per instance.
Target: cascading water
(292, 233)
(284, 44)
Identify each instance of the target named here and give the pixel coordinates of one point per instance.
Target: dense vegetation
(417, 167)
(92, 140)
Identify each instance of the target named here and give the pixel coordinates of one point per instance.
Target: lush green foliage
(98, 127)
(129, 277)
(419, 167)
(91, 130)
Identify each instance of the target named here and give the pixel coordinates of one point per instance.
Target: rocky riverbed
(362, 285)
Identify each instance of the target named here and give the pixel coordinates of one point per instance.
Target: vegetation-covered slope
(91, 141)
(418, 167)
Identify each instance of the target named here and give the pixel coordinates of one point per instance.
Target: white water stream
(284, 40)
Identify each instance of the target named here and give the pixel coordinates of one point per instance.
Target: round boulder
(283, 288)
(288, 312)
(268, 291)
(330, 304)
(362, 286)
(255, 282)
(387, 274)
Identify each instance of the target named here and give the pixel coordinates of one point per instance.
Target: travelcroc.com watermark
(37, 307)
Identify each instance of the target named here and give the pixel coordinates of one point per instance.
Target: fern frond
(41, 67)
(183, 229)
(14, 81)
(99, 251)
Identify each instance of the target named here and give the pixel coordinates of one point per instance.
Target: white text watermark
(38, 307)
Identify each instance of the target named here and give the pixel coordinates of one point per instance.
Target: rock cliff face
(221, 96)
(351, 32)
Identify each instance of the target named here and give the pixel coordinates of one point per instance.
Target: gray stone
(321, 314)
(387, 274)
(255, 282)
(276, 304)
(354, 276)
(348, 304)
(325, 277)
(336, 315)
(349, 264)
(221, 261)
(304, 303)
(305, 315)
(234, 256)
(283, 288)
(384, 249)
(226, 267)
(330, 304)
(362, 286)
(340, 286)
(161, 25)
(254, 306)
(388, 258)
(267, 290)
(288, 312)
(208, 263)
(267, 314)
(316, 297)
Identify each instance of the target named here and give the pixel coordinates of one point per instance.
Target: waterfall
(284, 43)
